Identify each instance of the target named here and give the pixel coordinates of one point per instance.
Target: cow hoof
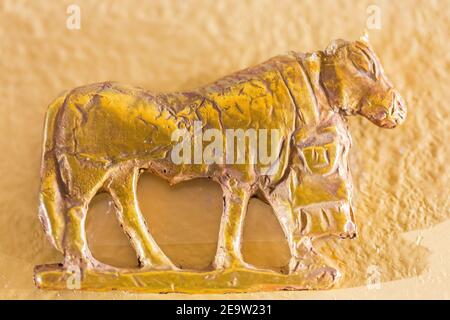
(146, 264)
(240, 266)
(316, 275)
(222, 264)
(324, 277)
(315, 269)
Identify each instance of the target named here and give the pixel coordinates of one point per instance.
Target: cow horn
(365, 37)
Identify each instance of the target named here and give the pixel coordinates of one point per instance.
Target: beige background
(401, 176)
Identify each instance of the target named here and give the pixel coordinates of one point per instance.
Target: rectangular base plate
(56, 277)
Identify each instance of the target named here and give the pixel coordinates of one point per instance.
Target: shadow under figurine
(99, 138)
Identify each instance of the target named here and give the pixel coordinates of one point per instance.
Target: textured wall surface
(401, 176)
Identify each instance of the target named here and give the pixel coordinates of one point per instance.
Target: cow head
(355, 83)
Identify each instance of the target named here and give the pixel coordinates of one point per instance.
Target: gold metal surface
(101, 137)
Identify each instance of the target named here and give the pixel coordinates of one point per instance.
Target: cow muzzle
(396, 112)
(389, 113)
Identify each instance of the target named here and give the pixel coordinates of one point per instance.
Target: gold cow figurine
(101, 137)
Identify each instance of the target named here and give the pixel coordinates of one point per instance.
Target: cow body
(100, 137)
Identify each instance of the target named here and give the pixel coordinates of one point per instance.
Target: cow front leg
(123, 190)
(304, 259)
(229, 254)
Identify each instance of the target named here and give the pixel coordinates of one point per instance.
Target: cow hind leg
(123, 190)
(80, 183)
(76, 251)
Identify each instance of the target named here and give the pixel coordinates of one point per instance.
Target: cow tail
(51, 208)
